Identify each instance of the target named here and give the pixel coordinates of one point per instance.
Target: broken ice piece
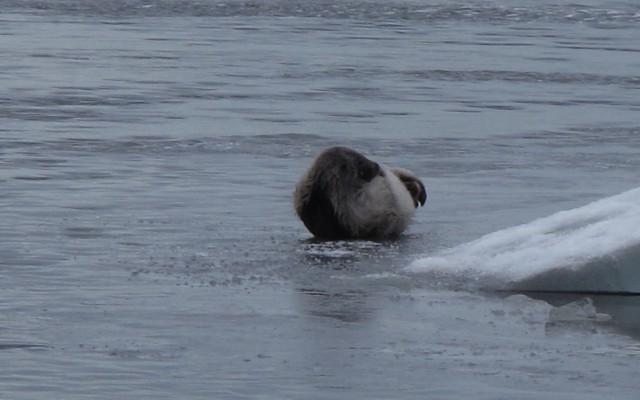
(581, 310)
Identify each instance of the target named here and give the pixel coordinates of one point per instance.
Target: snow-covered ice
(595, 248)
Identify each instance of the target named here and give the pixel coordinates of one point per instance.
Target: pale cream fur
(383, 205)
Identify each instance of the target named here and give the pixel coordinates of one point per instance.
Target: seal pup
(344, 195)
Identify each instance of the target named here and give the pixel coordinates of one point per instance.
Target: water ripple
(374, 11)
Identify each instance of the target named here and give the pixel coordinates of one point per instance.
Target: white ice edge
(591, 248)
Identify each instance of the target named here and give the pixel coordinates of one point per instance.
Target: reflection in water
(349, 306)
(336, 333)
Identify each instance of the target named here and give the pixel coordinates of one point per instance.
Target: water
(149, 150)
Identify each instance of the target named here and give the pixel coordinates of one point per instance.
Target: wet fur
(344, 195)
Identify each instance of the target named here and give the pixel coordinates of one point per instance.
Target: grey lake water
(148, 151)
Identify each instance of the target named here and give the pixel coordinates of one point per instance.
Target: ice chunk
(595, 248)
(581, 310)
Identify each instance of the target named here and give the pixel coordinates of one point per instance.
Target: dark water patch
(337, 72)
(589, 136)
(347, 116)
(60, 56)
(148, 57)
(79, 232)
(275, 119)
(63, 106)
(348, 306)
(370, 93)
(525, 77)
(14, 346)
(50, 115)
(574, 46)
(98, 96)
(633, 105)
(32, 178)
(489, 106)
(143, 354)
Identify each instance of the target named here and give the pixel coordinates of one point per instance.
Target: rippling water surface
(147, 156)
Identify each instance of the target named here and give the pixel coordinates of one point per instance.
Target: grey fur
(344, 195)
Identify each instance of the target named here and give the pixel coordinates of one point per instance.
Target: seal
(344, 195)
